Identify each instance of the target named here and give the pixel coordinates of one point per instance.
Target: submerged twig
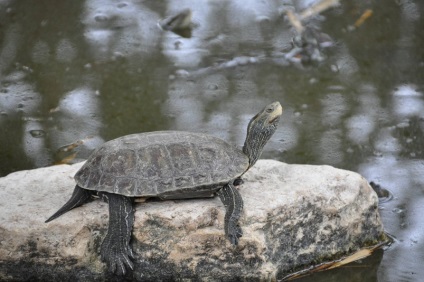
(365, 15)
(309, 39)
(296, 19)
(317, 8)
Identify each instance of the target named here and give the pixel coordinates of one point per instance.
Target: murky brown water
(83, 72)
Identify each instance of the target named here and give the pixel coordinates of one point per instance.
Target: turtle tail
(79, 197)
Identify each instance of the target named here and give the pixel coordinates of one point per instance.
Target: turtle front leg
(233, 203)
(116, 250)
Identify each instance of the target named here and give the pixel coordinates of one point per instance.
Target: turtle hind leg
(115, 249)
(233, 203)
(79, 197)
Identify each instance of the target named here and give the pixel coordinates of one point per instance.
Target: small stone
(253, 60)
(334, 68)
(241, 61)
(37, 133)
(182, 73)
(213, 87)
(101, 18)
(122, 5)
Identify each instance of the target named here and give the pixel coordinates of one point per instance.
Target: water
(74, 74)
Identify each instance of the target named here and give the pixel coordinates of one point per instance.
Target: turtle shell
(164, 164)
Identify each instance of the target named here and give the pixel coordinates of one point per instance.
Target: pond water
(74, 74)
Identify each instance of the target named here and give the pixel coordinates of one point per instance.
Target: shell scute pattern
(151, 164)
(119, 163)
(125, 185)
(107, 182)
(183, 158)
(145, 188)
(94, 179)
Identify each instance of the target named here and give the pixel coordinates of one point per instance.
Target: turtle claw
(239, 232)
(119, 266)
(233, 203)
(233, 240)
(130, 253)
(117, 260)
(234, 233)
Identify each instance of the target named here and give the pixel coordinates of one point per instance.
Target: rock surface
(294, 216)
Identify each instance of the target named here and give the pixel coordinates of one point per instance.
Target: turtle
(167, 165)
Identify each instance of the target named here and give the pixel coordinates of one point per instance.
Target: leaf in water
(363, 18)
(54, 110)
(71, 146)
(67, 159)
(65, 154)
(356, 256)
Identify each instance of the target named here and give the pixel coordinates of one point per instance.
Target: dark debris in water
(179, 24)
(383, 194)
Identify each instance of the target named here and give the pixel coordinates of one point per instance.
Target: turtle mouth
(274, 119)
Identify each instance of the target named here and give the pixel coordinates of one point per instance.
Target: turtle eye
(269, 110)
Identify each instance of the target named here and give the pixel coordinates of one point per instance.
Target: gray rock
(294, 216)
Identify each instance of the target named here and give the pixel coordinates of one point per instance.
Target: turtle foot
(116, 256)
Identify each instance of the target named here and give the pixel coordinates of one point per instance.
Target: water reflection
(79, 73)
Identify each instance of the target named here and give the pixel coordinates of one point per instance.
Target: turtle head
(260, 129)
